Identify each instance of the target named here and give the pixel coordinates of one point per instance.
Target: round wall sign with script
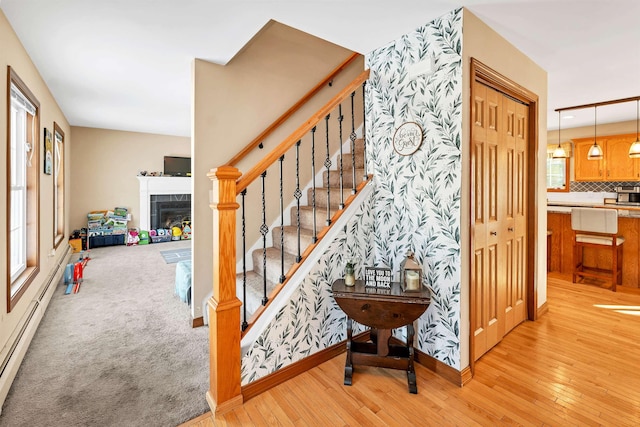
(407, 138)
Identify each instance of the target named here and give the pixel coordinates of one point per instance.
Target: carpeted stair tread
(348, 163)
(347, 177)
(291, 238)
(334, 196)
(255, 290)
(306, 217)
(255, 284)
(274, 269)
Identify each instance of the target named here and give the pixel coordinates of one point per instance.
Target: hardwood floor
(577, 365)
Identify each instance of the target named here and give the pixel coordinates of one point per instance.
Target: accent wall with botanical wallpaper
(415, 206)
(311, 320)
(417, 197)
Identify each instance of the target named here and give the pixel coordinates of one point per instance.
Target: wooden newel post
(224, 392)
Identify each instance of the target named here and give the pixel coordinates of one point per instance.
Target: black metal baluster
(297, 194)
(245, 325)
(264, 229)
(327, 165)
(365, 176)
(282, 277)
(341, 168)
(352, 137)
(313, 187)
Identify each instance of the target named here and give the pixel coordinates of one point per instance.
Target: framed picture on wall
(48, 152)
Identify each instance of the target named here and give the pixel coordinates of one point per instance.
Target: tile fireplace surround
(154, 185)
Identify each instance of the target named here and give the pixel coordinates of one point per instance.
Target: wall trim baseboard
(543, 309)
(19, 341)
(197, 322)
(265, 383)
(443, 370)
(459, 378)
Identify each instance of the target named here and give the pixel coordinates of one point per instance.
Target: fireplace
(163, 199)
(168, 210)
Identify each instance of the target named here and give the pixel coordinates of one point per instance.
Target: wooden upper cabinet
(587, 170)
(616, 164)
(620, 167)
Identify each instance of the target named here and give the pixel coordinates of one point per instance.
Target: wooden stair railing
(253, 173)
(280, 120)
(224, 306)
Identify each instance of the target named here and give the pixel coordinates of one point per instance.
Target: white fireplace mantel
(154, 185)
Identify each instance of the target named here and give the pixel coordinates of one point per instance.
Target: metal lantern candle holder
(410, 274)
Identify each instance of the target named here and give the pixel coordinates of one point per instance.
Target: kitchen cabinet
(559, 223)
(585, 169)
(614, 166)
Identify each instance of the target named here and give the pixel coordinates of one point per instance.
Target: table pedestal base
(379, 352)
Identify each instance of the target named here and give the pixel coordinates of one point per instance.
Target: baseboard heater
(19, 341)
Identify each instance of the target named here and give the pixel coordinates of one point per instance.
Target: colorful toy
(176, 232)
(73, 273)
(68, 278)
(144, 237)
(186, 230)
(77, 276)
(132, 237)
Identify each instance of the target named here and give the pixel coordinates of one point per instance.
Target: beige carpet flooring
(121, 352)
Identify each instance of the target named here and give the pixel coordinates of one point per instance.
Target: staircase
(325, 199)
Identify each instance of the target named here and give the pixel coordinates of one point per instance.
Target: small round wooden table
(382, 309)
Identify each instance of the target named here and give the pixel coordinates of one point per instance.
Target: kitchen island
(559, 223)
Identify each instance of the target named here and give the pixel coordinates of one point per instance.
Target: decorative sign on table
(377, 277)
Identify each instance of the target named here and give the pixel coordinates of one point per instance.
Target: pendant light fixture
(595, 152)
(634, 150)
(559, 152)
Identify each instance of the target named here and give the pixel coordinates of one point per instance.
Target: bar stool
(596, 228)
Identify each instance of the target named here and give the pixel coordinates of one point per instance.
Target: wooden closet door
(498, 167)
(486, 262)
(515, 218)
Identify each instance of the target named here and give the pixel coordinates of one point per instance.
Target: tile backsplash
(599, 186)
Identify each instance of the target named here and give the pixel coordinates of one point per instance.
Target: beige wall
(13, 54)
(484, 44)
(105, 164)
(604, 129)
(232, 104)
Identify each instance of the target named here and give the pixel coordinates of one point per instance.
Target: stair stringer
(257, 346)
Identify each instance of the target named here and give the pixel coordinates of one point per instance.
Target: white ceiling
(126, 64)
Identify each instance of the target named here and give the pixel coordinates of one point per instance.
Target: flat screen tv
(177, 166)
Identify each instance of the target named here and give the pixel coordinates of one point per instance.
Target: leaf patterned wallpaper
(417, 197)
(311, 320)
(415, 206)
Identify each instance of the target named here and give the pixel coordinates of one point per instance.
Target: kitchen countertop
(624, 211)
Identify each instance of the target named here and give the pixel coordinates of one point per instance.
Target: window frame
(16, 287)
(565, 188)
(59, 212)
